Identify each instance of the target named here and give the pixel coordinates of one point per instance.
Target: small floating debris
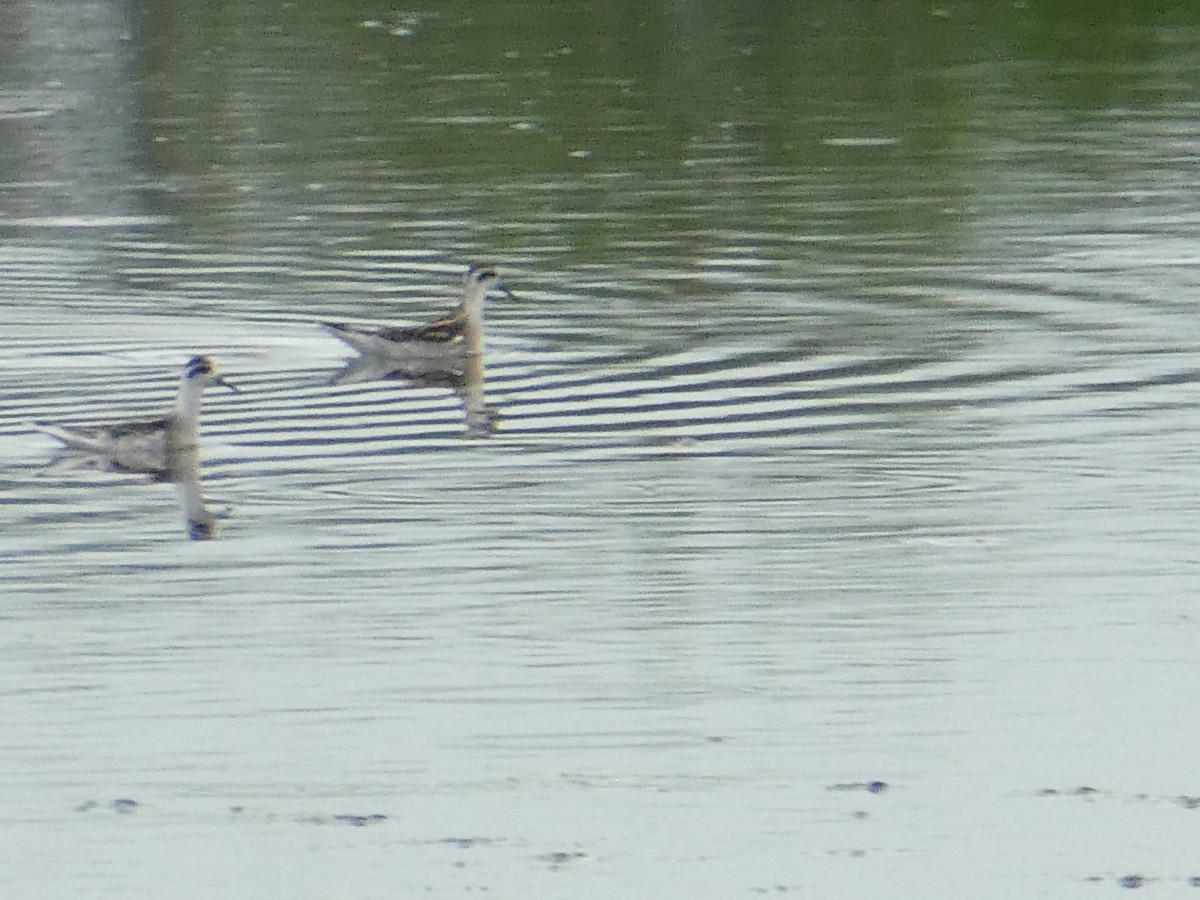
(1188, 802)
(359, 821)
(465, 843)
(122, 805)
(871, 787)
(1081, 791)
(1132, 882)
(560, 858)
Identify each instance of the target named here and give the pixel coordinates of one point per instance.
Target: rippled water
(835, 531)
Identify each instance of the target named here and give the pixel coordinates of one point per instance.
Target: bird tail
(361, 340)
(76, 440)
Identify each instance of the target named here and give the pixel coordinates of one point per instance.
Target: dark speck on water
(359, 821)
(1081, 791)
(465, 843)
(560, 858)
(871, 787)
(121, 805)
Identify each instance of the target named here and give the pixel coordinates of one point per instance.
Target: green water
(845, 426)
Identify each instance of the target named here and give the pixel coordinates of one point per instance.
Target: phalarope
(437, 345)
(152, 446)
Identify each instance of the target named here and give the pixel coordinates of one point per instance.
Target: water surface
(836, 526)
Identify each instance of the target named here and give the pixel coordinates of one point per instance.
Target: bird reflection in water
(465, 379)
(184, 472)
(182, 469)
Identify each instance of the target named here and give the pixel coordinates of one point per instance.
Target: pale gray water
(846, 433)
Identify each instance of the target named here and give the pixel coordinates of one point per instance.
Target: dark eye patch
(200, 365)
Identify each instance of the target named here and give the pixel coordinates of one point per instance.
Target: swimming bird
(152, 446)
(439, 345)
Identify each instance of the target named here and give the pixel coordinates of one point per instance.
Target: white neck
(472, 301)
(472, 305)
(187, 403)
